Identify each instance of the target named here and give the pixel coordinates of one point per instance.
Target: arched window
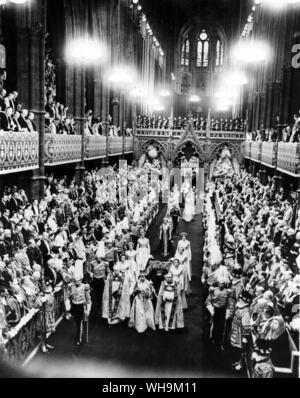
(203, 50)
(185, 53)
(219, 53)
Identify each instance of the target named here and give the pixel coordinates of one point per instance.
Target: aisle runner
(200, 191)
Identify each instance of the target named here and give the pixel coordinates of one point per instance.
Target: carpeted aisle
(119, 351)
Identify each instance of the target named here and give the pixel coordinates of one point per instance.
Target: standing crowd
(89, 239)
(251, 273)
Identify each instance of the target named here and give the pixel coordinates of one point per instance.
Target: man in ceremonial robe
(240, 330)
(169, 309)
(116, 297)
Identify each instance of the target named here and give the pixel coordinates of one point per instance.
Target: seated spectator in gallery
(16, 121)
(30, 122)
(23, 120)
(6, 120)
(3, 76)
(2, 102)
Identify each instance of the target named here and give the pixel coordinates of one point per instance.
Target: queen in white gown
(184, 254)
(142, 311)
(190, 207)
(143, 251)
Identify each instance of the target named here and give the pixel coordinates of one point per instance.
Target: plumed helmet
(246, 297)
(263, 347)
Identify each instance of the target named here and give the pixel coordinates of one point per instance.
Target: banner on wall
(2, 57)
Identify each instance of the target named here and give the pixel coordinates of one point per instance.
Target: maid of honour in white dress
(184, 252)
(143, 251)
(190, 206)
(131, 258)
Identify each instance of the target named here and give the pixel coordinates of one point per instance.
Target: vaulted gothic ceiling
(174, 14)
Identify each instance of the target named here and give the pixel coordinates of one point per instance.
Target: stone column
(116, 110)
(31, 33)
(79, 109)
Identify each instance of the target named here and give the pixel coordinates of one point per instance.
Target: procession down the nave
(114, 352)
(149, 189)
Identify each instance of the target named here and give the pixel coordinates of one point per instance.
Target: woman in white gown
(184, 251)
(143, 251)
(180, 277)
(190, 207)
(131, 258)
(142, 311)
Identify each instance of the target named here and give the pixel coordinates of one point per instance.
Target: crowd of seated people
(73, 228)
(94, 126)
(12, 116)
(180, 123)
(290, 133)
(56, 117)
(251, 273)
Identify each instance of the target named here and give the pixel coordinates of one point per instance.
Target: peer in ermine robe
(169, 310)
(116, 297)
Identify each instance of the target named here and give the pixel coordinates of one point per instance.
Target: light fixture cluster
(3, 2)
(247, 27)
(145, 24)
(271, 4)
(150, 33)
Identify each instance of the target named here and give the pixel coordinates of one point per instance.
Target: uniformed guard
(80, 306)
(262, 364)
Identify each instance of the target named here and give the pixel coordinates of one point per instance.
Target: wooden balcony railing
(128, 146)
(248, 149)
(115, 146)
(285, 157)
(256, 151)
(288, 158)
(60, 149)
(268, 154)
(95, 147)
(202, 134)
(18, 151)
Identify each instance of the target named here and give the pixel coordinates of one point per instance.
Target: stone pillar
(79, 109)
(31, 33)
(116, 110)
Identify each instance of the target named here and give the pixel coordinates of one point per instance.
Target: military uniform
(80, 306)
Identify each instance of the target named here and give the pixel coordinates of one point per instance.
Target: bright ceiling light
(155, 104)
(194, 99)
(18, 1)
(251, 52)
(86, 50)
(165, 93)
(235, 78)
(138, 92)
(275, 4)
(223, 106)
(121, 75)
